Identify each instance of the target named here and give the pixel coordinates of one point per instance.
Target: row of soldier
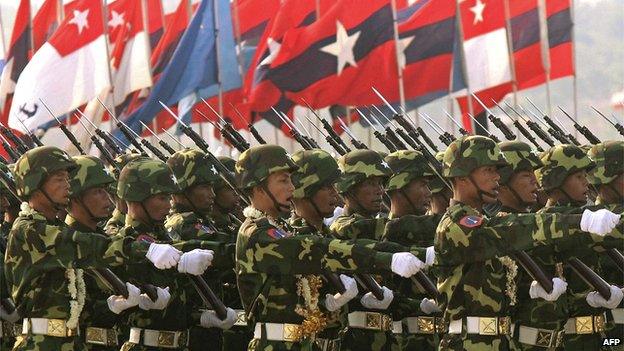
(294, 267)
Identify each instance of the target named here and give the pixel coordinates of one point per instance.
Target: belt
(327, 344)
(48, 326)
(482, 325)
(278, 331)
(370, 321)
(9, 330)
(617, 315)
(585, 324)
(101, 336)
(539, 337)
(168, 339)
(419, 325)
(241, 318)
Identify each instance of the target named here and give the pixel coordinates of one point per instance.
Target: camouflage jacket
(610, 272)
(115, 223)
(225, 223)
(270, 261)
(40, 252)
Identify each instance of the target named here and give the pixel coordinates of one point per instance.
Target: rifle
(227, 126)
(107, 139)
(616, 125)
(328, 128)
(496, 121)
(534, 270)
(307, 135)
(173, 138)
(356, 143)
(590, 277)
(19, 143)
(13, 155)
(552, 127)
(251, 127)
(616, 256)
(556, 133)
(331, 141)
(445, 137)
(520, 127)
(225, 133)
(390, 135)
(489, 135)
(378, 134)
(64, 129)
(462, 131)
(161, 142)
(294, 132)
(582, 129)
(105, 153)
(127, 132)
(33, 138)
(8, 305)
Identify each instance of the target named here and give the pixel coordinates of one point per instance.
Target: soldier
(608, 179)
(118, 218)
(226, 210)
(146, 185)
(417, 316)
(440, 192)
(277, 271)
(564, 179)
(474, 278)
(189, 221)
(89, 205)
(44, 259)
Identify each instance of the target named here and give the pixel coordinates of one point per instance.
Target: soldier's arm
(223, 256)
(357, 227)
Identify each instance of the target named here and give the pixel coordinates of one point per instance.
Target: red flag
(154, 21)
(44, 23)
(251, 17)
(526, 44)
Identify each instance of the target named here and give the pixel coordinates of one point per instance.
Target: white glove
(163, 256)
(559, 287)
(405, 264)
(429, 306)
(209, 319)
(9, 317)
(594, 299)
(429, 256)
(334, 302)
(145, 303)
(369, 301)
(118, 303)
(195, 262)
(600, 222)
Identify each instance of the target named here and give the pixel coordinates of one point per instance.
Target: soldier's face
(576, 186)
(326, 200)
(56, 186)
(282, 188)
(525, 185)
(98, 201)
(486, 178)
(227, 198)
(418, 192)
(369, 194)
(202, 196)
(158, 206)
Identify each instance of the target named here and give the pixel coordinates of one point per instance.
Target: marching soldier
(277, 271)
(226, 210)
(440, 193)
(118, 218)
(45, 259)
(474, 278)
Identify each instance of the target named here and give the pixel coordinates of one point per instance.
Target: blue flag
(193, 66)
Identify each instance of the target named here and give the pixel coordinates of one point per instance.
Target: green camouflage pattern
(359, 165)
(192, 167)
(35, 165)
(230, 164)
(258, 162)
(143, 178)
(90, 172)
(520, 157)
(407, 165)
(436, 184)
(609, 159)
(468, 153)
(317, 168)
(115, 223)
(560, 162)
(121, 161)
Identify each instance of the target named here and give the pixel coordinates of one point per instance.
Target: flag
(77, 53)
(17, 53)
(44, 23)
(192, 67)
(251, 18)
(154, 21)
(169, 41)
(525, 41)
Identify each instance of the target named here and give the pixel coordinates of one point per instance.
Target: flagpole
(148, 48)
(574, 80)
(512, 66)
(545, 50)
(465, 67)
(108, 58)
(397, 48)
(239, 54)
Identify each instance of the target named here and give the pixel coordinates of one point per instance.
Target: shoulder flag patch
(204, 228)
(145, 238)
(277, 233)
(471, 221)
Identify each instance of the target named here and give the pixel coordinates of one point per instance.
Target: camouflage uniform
(44, 257)
(191, 167)
(411, 230)
(475, 278)
(118, 218)
(96, 319)
(274, 268)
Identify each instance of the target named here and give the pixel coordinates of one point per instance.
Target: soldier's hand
(429, 256)
(9, 317)
(145, 303)
(594, 299)
(118, 303)
(163, 256)
(600, 222)
(195, 262)
(537, 291)
(209, 319)
(429, 306)
(405, 264)
(334, 302)
(370, 301)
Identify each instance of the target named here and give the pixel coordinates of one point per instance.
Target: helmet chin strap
(57, 206)
(409, 201)
(281, 208)
(518, 197)
(480, 191)
(569, 198)
(152, 221)
(91, 215)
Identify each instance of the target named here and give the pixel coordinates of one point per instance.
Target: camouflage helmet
(145, 177)
(436, 184)
(609, 159)
(121, 161)
(89, 173)
(406, 165)
(317, 168)
(230, 164)
(258, 162)
(468, 153)
(36, 164)
(520, 157)
(560, 162)
(359, 165)
(192, 167)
